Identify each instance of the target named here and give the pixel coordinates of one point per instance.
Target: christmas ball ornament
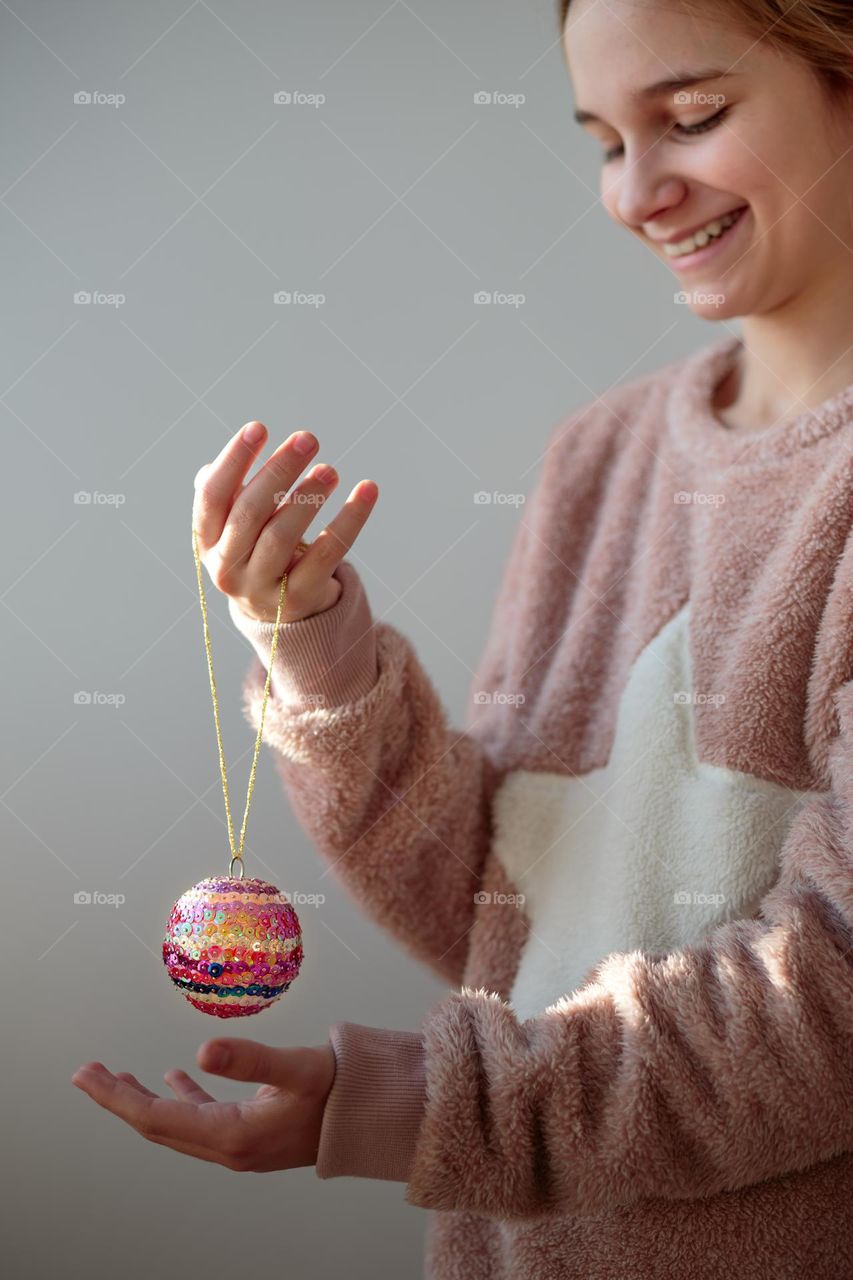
(232, 946)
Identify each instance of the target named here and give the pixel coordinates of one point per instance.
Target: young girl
(635, 863)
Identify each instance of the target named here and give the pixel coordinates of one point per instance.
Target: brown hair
(819, 32)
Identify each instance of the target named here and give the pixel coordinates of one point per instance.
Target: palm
(278, 1128)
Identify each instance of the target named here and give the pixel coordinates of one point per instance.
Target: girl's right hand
(247, 545)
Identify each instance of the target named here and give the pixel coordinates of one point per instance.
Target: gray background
(198, 198)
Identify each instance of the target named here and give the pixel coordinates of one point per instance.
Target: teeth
(700, 238)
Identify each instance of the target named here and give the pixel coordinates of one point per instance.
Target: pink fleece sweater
(634, 863)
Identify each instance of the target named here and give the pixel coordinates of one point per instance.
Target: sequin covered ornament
(232, 946)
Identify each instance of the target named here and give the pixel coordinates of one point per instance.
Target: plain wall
(197, 199)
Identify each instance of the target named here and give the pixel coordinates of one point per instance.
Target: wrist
(321, 1080)
(267, 614)
(324, 661)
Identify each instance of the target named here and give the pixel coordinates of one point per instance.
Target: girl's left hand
(277, 1129)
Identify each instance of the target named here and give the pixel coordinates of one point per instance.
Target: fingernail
(304, 442)
(218, 1057)
(253, 433)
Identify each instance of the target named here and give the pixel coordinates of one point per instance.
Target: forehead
(615, 47)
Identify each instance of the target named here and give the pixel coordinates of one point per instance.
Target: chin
(709, 302)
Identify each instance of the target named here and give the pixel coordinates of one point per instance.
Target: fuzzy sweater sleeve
(395, 799)
(676, 1075)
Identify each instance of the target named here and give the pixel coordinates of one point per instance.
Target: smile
(715, 229)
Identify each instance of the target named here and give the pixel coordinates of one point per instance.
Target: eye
(710, 123)
(685, 130)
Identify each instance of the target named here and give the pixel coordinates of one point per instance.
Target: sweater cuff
(323, 661)
(375, 1107)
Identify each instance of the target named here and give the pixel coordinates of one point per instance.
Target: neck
(793, 359)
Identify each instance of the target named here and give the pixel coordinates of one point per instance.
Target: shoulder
(633, 411)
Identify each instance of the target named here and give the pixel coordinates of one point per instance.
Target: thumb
(250, 1060)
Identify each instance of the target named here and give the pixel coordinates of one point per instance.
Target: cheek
(755, 160)
(731, 166)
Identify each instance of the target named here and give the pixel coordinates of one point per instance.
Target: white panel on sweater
(649, 852)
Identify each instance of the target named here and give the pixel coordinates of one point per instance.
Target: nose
(641, 190)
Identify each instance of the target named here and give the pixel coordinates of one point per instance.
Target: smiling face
(762, 139)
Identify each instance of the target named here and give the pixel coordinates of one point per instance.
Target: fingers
(131, 1079)
(181, 1084)
(333, 543)
(248, 533)
(178, 1081)
(276, 543)
(292, 1069)
(256, 502)
(215, 1130)
(185, 1087)
(217, 482)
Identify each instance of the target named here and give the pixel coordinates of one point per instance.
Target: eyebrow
(671, 84)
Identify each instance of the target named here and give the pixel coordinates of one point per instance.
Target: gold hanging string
(237, 853)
